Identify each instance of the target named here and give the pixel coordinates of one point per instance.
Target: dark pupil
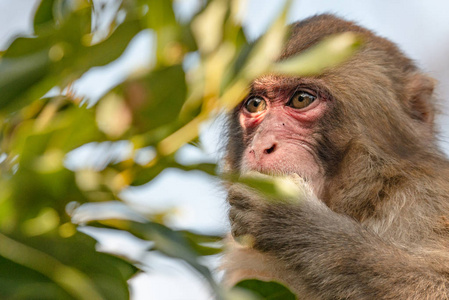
(256, 102)
(303, 97)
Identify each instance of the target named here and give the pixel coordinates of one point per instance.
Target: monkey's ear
(419, 97)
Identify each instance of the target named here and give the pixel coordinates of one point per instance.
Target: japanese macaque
(374, 221)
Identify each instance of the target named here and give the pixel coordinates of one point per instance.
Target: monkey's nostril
(270, 150)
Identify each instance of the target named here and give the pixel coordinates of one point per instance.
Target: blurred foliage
(42, 254)
(267, 290)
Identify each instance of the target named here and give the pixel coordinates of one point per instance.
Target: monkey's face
(280, 119)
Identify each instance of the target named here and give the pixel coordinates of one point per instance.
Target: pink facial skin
(279, 139)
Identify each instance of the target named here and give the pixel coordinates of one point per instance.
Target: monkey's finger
(241, 221)
(240, 197)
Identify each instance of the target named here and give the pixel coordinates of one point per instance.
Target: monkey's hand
(246, 212)
(332, 250)
(253, 214)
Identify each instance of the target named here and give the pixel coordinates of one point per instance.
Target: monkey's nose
(261, 151)
(263, 146)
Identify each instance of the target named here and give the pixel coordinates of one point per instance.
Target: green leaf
(167, 241)
(107, 51)
(44, 15)
(328, 53)
(143, 175)
(203, 244)
(267, 290)
(208, 26)
(172, 40)
(17, 74)
(275, 188)
(41, 155)
(70, 267)
(31, 66)
(161, 90)
(160, 14)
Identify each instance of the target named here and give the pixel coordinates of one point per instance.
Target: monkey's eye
(255, 104)
(301, 100)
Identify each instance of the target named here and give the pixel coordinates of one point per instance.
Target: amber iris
(301, 100)
(255, 104)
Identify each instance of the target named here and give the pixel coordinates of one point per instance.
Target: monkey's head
(376, 104)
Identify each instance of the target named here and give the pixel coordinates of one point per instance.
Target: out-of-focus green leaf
(236, 65)
(208, 26)
(63, 8)
(19, 282)
(44, 15)
(66, 38)
(57, 57)
(268, 48)
(19, 73)
(144, 174)
(107, 51)
(237, 293)
(70, 267)
(173, 41)
(275, 188)
(40, 164)
(167, 241)
(183, 135)
(164, 16)
(161, 90)
(328, 53)
(203, 244)
(267, 290)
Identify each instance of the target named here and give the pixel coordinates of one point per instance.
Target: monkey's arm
(333, 255)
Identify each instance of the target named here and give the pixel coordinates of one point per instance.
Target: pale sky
(420, 28)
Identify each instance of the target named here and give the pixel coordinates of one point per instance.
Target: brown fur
(380, 229)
